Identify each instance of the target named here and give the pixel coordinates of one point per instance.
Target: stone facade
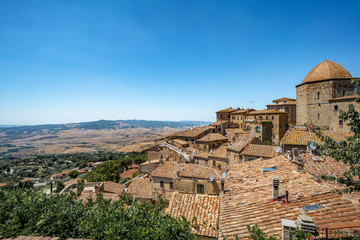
(286, 105)
(322, 94)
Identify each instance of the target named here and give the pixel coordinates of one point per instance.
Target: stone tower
(324, 91)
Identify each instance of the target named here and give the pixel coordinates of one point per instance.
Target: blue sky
(70, 61)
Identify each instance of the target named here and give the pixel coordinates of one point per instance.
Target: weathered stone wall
(319, 111)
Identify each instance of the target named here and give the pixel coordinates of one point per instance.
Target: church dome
(326, 70)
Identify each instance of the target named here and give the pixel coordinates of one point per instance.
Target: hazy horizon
(76, 61)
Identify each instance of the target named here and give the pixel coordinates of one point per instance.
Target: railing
(175, 149)
(325, 234)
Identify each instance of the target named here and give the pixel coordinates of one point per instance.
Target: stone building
(278, 119)
(255, 151)
(191, 135)
(286, 105)
(185, 178)
(224, 114)
(239, 116)
(325, 90)
(234, 150)
(210, 142)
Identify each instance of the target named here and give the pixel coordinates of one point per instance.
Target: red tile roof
(140, 188)
(260, 151)
(3, 184)
(195, 132)
(227, 110)
(168, 170)
(345, 98)
(112, 187)
(212, 137)
(266, 111)
(283, 99)
(204, 208)
(129, 173)
(298, 137)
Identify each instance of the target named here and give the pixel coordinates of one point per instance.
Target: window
(162, 184)
(318, 115)
(186, 140)
(260, 117)
(214, 163)
(267, 117)
(318, 96)
(344, 93)
(336, 108)
(200, 189)
(277, 102)
(204, 146)
(192, 141)
(272, 117)
(221, 116)
(258, 129)
(171, 186)
(341, 123)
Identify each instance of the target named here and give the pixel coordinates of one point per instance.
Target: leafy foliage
(348, 151)
(28, 212)
(257, 233)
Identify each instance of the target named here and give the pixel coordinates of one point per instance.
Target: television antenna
(212, 177)
(277, 149)
(313, 146)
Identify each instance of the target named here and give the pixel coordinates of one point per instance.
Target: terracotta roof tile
(260, 151)
(3, 184)
(227, 110)
(298, 137)
(345, 98)
(266, 111)
(129, 173)
(204, 208)
(284, 99)
(192, 132)
(325, 166)
(168, 170)
(220, 152)
(85, 196)
(140, 188)
(239, 145)
(211, 137)
(113, 187)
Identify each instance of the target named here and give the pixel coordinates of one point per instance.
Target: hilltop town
(249, 167)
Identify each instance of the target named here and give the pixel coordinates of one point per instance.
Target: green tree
(79, 187)
(74, 174)
(59, 186)
(347, 151)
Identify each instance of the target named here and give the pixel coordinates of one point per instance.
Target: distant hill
(16, 132)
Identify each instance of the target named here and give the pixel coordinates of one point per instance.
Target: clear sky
(70, 61)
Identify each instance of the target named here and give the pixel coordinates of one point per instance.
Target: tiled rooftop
(140, 188)
(227, 110)
(128, 173)
(241, 142)
(284, 99)
(323, 165)
(336, 212)
(204, 208)
(249, 193)
(85, 196)
(266, 111)
(168, 170)
(192, 132)
(212, 137)
(220, 152)
(112, 187)
(298, 137)
(345, 98)
(260, 151)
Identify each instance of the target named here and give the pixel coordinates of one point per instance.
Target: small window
(277, 102)
(318, 96)
(272, 117)
(192, 141)
(162, 184)
(214, 163)
(204, 146)
(344, 93)
(318, 115)
(260, 117)
(200, 189)
(341, 123)
(171, 186)
(258, 129)
(336, 107)
(221, 116)
(186, 139)
(267, 117)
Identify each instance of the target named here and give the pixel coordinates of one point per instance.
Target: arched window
(318, 96)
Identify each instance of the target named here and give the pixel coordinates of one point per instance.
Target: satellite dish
(253, 135)
(212, 177)
(223, 175)
(277, 149)
(182, 168)
(313, 146)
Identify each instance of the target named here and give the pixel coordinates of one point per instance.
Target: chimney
(287, 195)
(295, 154)
(276, 183)
(306, 224)
(300, 165)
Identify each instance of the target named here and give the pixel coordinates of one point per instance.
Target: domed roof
(326, 70)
